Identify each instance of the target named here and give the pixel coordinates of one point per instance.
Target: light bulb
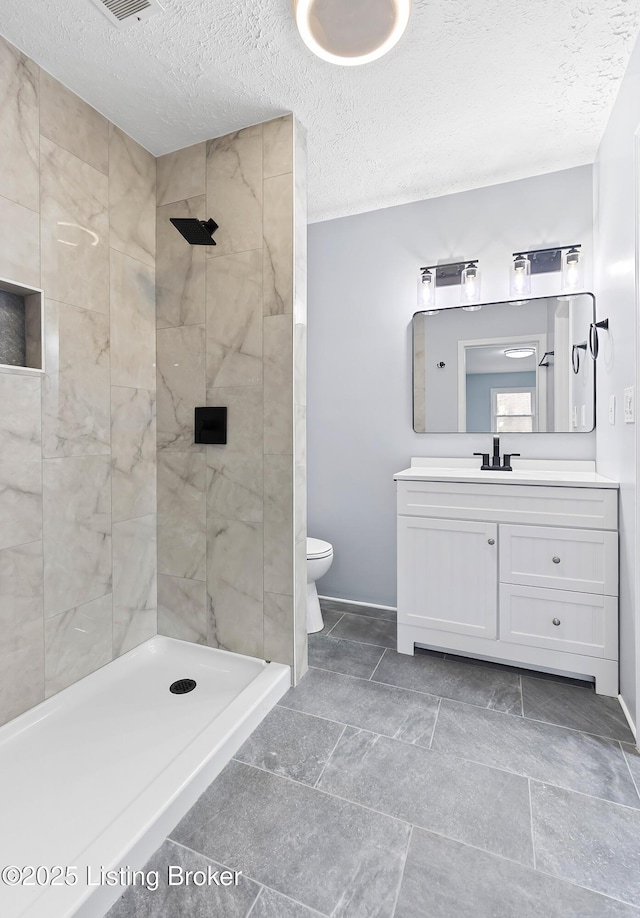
(470, 282)
(571, 269)
(521, 276)
(426, 288)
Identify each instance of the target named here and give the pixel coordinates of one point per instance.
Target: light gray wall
(362, 295)
(615, 201)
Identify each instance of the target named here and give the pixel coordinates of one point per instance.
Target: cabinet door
(447, 575)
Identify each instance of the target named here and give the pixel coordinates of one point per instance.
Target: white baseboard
(356, 602)
(625, 711)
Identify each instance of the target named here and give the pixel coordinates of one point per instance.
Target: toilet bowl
(319, 558)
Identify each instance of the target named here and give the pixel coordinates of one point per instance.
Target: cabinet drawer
(585, 508)
(580, 623)
(582, 560)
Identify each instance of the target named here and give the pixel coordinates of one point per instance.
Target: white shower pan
(96, 776)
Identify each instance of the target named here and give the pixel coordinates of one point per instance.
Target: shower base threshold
(94, 778)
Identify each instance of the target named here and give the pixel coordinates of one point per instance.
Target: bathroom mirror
(513, 367)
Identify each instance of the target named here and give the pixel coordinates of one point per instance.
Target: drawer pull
(556, 559)
(491, 541)
(556, 621)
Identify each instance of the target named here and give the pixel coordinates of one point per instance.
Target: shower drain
(182, 686)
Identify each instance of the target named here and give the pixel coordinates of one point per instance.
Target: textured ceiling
(475, 92)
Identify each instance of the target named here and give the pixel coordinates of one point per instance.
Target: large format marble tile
(75, 390)
(135, 595)
(180, 268)
(300, 610)
(188, 900)
(367, 630)
(578, 761)
(279, 628)
(300, 220)
(74, 212)
(234, 320)
(76, 643)
(182, 536)
(70, 123)
(291, 744)
(271, 904)
(588, 841)
(340, 606)
(278, 146)
(578, 708)
(19, 116)
(181, 175)
(132, 197)
(77, 531)
(278, 384)
(234, 190)
(19, 243)
(345, 861)
(632, 755)
(182, 608)
(458, 881)
(21, 629)
(235, 471)
(480, 806)
(133, 323)
(485, 687)
(235, 586)
(343, 656)
(133, 452)
(277, 249)
(20, 460)
(408, 716)
(279, 542)
(181, 385)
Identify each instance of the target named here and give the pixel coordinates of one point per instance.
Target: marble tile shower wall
(77, 443)
(232, 332)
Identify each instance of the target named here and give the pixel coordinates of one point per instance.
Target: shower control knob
(556, 621)
(491, 541)
(556, 559)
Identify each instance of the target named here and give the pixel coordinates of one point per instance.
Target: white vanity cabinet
(520, 570)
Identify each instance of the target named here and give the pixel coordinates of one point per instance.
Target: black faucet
(494, 465)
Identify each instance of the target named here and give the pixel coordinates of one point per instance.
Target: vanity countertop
(571, 473)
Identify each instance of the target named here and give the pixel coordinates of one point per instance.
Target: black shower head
(196, 232)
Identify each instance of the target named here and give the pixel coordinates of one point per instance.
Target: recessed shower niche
(20, 327)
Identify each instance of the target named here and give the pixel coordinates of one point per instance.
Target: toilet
(319, 558)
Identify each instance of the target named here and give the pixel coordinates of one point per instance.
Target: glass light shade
(470, 283)
(572, 270)
(520, 276)
(353, 32)
(426, 289)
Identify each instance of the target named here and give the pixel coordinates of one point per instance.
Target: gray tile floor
(388, 786)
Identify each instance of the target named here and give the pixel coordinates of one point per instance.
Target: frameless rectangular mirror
(515, 367)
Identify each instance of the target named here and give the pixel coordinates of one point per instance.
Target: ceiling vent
(125, 13)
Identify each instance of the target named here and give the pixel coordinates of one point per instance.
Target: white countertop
(573, 473)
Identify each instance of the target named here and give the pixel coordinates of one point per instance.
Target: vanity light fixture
(352, 33)
(520, 276)
(567, 259)
(464, 273)
(519, 352)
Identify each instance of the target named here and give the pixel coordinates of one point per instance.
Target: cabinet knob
(556, 559)
(491, 541)
(556, 621)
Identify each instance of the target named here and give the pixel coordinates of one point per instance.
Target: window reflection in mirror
(506, 368)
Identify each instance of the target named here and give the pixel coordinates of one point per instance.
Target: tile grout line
(435, 723)
(253, 904)
(533, 838)
(404, 864)
(624, 756)
(371, 679)
(521, 696)
(334, 625)
(329, 757)
(251, 879)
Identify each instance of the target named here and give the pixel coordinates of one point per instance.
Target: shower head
(196, 232)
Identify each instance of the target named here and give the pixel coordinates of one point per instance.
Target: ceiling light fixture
(352, 33)
(519, 352)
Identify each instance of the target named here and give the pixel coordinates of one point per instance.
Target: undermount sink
(559, 472)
